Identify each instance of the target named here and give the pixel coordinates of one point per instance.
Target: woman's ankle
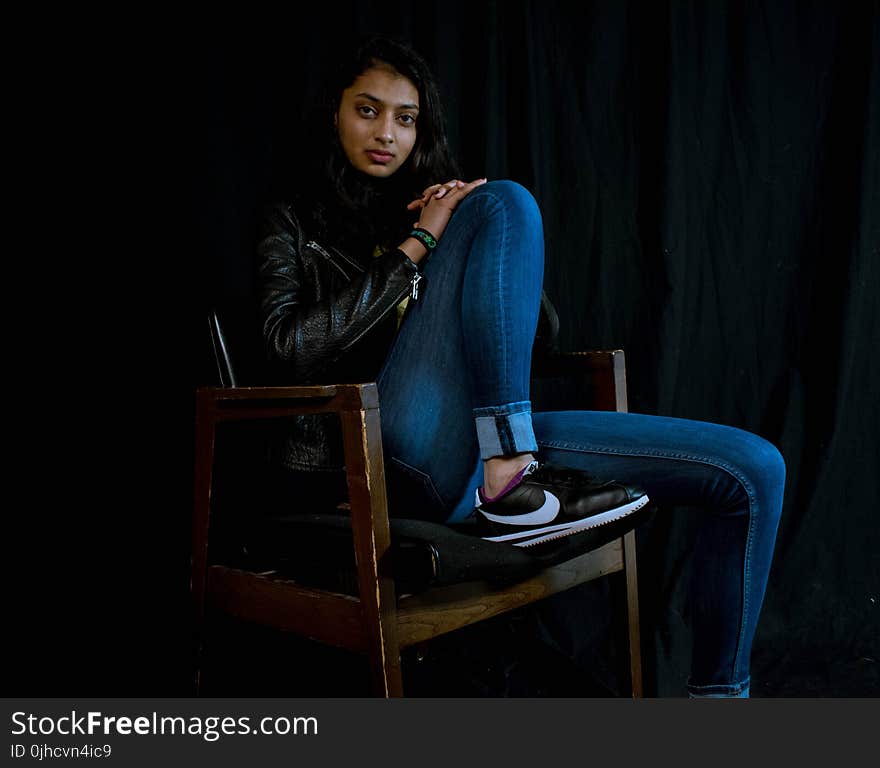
(500, 470)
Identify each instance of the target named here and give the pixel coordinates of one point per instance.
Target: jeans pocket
(411, 493)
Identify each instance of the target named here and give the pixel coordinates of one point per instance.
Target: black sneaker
(550, 502)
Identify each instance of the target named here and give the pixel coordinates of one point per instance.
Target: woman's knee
(510, 195)
(761, 463)
(764, 458)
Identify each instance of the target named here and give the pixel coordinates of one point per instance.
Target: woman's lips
(382, 158)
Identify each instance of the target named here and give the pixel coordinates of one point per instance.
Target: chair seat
(317, 549)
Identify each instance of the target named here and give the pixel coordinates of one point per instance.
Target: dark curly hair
(347, 207)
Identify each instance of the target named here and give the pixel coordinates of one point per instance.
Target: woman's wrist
(414, 249)
(419, 244)
(425, 237)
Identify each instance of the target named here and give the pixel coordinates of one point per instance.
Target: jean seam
(753, 511)
(504, 241)
(423, 475)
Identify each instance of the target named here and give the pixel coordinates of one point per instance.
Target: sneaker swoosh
(546, 513)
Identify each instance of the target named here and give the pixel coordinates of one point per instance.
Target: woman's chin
(376, 170)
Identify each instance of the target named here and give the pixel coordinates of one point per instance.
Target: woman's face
(377, 121)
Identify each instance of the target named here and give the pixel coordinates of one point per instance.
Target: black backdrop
(709, 175)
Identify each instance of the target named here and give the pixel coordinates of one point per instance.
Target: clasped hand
(438, 202)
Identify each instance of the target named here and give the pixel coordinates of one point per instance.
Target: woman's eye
(366, 111)
(407, 119)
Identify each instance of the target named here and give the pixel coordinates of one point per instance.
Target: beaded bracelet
(425, 238)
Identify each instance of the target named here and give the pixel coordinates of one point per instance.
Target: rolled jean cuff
(505, 430)
(735, 691)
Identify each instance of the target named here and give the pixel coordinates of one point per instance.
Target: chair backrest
(237, 346)
(220, 348)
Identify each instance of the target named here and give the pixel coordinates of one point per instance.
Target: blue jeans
(460, 367)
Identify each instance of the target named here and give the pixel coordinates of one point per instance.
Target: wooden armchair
(386, 613)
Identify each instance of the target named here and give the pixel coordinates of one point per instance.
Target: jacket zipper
(412, 290)
(352, 262)
(326, 255)
(319, 249)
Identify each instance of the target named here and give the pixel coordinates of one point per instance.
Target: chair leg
(372, 541)
(387, 681)
(200, 634)
(205, 437)
(632, 604)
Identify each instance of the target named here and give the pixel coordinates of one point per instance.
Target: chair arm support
(358, 409)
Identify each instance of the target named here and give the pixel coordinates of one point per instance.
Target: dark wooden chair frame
(380, 623)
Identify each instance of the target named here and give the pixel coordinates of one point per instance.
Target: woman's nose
(386, 132)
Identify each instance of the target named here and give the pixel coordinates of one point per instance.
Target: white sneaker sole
(538, 535)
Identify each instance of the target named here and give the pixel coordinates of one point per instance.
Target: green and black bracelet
(425, 238)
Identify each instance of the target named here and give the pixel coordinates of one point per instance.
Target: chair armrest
(236, 403)
(563, 363)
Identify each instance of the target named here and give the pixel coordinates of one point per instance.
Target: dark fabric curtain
(710, 184)
(709, 176)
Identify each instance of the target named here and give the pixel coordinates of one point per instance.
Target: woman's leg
(736, 477)
(485, 277)
(455, 386)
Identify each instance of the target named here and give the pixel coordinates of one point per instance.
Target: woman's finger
(420, 202)
(464, 190)
(449, 186)
(473, 185)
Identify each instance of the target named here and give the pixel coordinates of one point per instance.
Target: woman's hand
(434, 189)
(439, 201)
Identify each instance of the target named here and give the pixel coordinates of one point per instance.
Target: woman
(382, 223)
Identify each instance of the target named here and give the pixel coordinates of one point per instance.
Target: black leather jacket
(328, 318)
